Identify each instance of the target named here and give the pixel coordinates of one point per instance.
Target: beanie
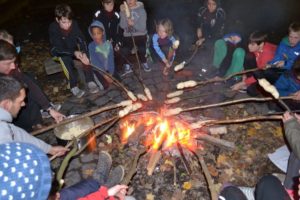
(24, 172)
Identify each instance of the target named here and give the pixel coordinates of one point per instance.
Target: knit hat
(24, 172)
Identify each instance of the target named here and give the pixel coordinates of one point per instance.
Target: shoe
(115, 177)
(146, 67)
(93, 88)
(56, 107)
(45, 114)
(248, 192)
(77, 92)
(127, 69)
(103, 167)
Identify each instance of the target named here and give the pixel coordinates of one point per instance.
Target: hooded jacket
(286, 53)
(287, 84)
(139, 17)
(12, 133)
(101, 55)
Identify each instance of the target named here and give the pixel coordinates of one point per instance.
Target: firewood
(216, 141)
(155, 155)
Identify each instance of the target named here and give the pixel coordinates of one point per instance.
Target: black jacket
(66, 43)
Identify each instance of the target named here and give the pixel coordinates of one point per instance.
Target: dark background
(28, 20)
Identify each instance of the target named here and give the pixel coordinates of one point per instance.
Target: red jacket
(262, 59)
(101, 194)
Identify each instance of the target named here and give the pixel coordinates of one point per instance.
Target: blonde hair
(167, 24)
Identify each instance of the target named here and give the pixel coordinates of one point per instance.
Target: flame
(162, 132)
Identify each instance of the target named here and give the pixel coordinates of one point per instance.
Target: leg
(269, 187)
(237, 62)
(69, 64)
(220, 51)
(292, 175)
(140, 42)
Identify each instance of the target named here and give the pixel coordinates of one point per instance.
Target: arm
(279, 54)
(283, 86)
(157, 48)
(101, 194)
(292, 128)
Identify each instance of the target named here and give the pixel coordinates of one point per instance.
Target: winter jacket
(111, 21)
(10, 133)
(139, 17)
(157, 43)
(262, 58)
(292, 134)
(286, 53)
(101, 55)
(101, 194)
(65, 43)
(287, 84)
(212, 24)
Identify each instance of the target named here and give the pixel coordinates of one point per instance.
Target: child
(134, 27)
(228, 55)
(65, 38)
(101, 50)
(260, 53)
(163, 43)
(286, 53)
(211, 20)
(110, 20)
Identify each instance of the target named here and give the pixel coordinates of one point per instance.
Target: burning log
(100, 110)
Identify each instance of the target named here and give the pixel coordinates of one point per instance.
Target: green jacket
(292, 133)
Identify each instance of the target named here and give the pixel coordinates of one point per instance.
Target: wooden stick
(183, 159)
(233, 102)
(66, 121)
(154, 158)
(216, 141)
(133, 168)
(209, 180)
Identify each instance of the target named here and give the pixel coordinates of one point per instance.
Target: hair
(108, 1)
(167, 24)
(4, 35)
(257, 37)
(296, 67)
(216, 1)
(9, 88)
(7, 50)
(63, 10)
(294, 27)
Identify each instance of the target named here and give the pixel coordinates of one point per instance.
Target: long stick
(106, 108)
(193, 55)
(216, 141)
(233, 102)
(183, 158)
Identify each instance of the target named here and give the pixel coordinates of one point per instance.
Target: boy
(260, 52)
(65, 38)
(286, 53)
(134, 27)
(110, 20)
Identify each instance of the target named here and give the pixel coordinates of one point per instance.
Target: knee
(239, 52)
(220, 43)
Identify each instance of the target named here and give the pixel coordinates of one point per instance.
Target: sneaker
(146, 67)
(45, 114)
(248, 192)
(127, 69)
(103, 167)
(77, 92)
(115, 177)
(93, 88)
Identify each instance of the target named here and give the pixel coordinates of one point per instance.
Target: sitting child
(228, 55)
(163, 43)
(68, 43)
(260, 53)
(135, 31)
(211, 21)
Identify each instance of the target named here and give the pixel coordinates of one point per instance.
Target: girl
(164, 43)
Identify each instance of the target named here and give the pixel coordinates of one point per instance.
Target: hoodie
(139, 17)
(101, 55)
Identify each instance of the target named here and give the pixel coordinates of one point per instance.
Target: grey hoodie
(139, 17)
(10, 133)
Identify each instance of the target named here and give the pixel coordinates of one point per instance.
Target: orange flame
(164, 132)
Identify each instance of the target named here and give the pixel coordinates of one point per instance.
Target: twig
(183, 159)
(66, 121)
(193, 55)
(132, 170)
(216, 141)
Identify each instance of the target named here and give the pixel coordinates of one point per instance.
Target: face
(15, 105)
(6, 66)
(97, 35)
(64, 23)
(108, 6)
(131, 3)
(253, 47)
(294, 38)
(211, 5)
(161, 31)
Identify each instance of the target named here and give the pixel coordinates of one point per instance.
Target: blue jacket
(287, 84)
(101, 55)
(285, 52)
(157, 46)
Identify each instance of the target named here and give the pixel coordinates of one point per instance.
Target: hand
(279, 64)
(200, 41)
(199, 33)
(57, 116)
(166, 71)
(287, 116)
(58, 150)
(130, 22)
(296, 96)
(117, 189)
(238, 86)
(117, 47)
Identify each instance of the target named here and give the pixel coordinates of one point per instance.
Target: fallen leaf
(150, 196)
(251, 131)
(278, 132)
(187, 185)
(212, 170)
(222, 160)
